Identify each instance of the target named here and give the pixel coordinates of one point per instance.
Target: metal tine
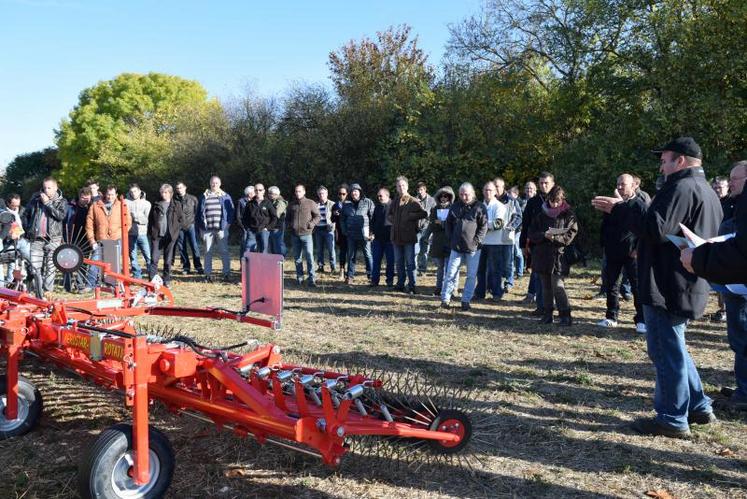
(430, 420)
(418, 421)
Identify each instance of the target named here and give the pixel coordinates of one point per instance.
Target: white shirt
(496, 210)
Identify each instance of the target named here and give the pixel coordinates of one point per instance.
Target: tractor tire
(104, 473)
(29, 408)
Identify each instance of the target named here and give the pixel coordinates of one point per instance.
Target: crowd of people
(495, 239)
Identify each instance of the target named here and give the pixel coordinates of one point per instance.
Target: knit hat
(355, 187)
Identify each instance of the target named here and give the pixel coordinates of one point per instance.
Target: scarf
(555, 212)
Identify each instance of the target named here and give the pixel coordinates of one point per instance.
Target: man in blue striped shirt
(216, 213)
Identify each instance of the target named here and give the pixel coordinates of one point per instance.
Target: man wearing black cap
(671, 296)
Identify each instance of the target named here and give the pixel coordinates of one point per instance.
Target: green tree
(122, 125)
(25, 173)
(384, 86)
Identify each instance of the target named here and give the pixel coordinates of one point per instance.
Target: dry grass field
(560, 402)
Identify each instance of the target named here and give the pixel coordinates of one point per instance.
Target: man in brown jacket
(405, 212)
(104, 223)
(303, 215)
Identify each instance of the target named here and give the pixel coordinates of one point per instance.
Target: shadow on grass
(524, 434)
(542, 434)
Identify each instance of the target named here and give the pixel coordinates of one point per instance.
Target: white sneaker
(640, 328)
(607, 323)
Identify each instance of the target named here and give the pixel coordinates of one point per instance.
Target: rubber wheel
(103, 474)
(451, 421)
(29, 409)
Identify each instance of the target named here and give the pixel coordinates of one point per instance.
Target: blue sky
(52, 49)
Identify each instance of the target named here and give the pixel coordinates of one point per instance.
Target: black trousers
(164, 245)
(553, 290)
(612, 272)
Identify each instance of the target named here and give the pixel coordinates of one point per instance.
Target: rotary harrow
(324, 413)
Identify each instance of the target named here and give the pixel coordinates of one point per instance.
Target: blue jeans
(188, 241)
(497, 266)
(303, 247)
(380, 250)
(248, 242)
(507, 261)
(518, 256)
(421, 249)
(404, 261)
(213, 239)
(93, 270)
(472, 262)
(325, 240)
(277, 242)
(678, 387)
(736, 332)
(262, 239)
(353, 246)
(489, 272)
(442, 266)
(139, 242)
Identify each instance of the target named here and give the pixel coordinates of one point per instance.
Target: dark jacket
(616, 238)
(522, 204)
(226, 216)
(685, 198)
(644, 195)
(259, 215)
(74, 225)
(241, 205)
(174, 220)
(726, 262)
(54, 210)
(466, 225)
(340, 236)
(547, 255)
(356, 218)
(303, 215)
(382, 229)
(405, 216)
(533, 208)
(440, 247)
(728, 205)
(427, 203)
(189, 208)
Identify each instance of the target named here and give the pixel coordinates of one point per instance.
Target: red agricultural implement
(255, 394)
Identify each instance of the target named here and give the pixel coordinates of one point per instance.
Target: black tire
(29, 409)
(103, 472)
(451, 417)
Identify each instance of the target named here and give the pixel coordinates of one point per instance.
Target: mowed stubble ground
(561, 400)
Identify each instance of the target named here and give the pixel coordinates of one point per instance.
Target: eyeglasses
(260, 190)
(342, 193)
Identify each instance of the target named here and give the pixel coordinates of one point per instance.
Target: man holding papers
(726, 263)
(670, 294)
